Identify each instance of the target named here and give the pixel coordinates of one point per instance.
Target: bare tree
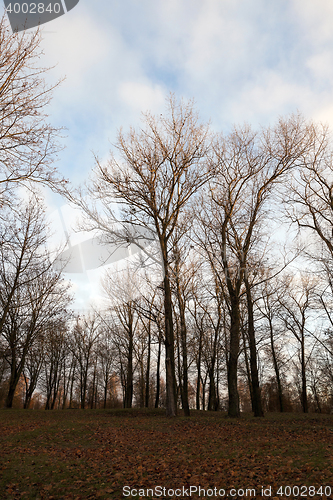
(160, 168)
(269, 308)
(56, 350)
(183, 272)
(106, 357)
(297, 303)
(86, 333)
(124, 319)
(28, 143)
(150, 311)
(248, 165)
(310, 206)
(31, 293)
(22, 240)
(32, 369)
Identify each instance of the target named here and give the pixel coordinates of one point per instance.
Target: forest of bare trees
(241, 318)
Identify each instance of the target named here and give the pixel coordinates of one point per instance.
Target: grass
(93, 454)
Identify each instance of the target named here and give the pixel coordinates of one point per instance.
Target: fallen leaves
(92, 455)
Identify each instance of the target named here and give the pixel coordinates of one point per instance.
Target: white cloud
(142, 96)
(315, 19)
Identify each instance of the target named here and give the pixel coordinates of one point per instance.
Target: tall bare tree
(55, 342)
(86, 333)
(157, 171)
(248, 165)
(28, 143)
(298, 303)
(269, 308)
(106, 357)
(31, 293)
(310, 206)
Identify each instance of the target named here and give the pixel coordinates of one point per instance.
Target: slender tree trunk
(55, 384)
(14, 378)
(185, 402)
(247, 365)
(147, 390)
(93, 390)
(316, 395)
(142, 384)
(233, 410)
(212, 389)
(30, 387)
(179, 363)
(129, 375)
(48, 386)
(199, 372)
(27, 399)
(84, 378)
(15, 373)
(105, 395)
(276, 365)
(171, 386)
(304, 391)
(217, 403)
(256, 393)
(106, 381)
(69, 380)
(183, 341)
(212, 399)
(158, 369)
(72, 385)
(203, 383)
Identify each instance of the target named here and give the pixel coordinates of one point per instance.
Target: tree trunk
(256, 394)
(304, 391)
(183, 335)
(157, 395)
(247, 365)
(199, 372)
(203, 383)
(72, 375)
(147, 391)
(11, 390)
(14, 379)
(30, 386)
(93, 390)
(105, 393)
(15, 373)
(316, 395)
(233, 410)
(212, 399)
(129, 375)
(276, 366)
(84, 381)
(171, 386)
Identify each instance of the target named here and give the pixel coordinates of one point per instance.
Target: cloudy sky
(240, 60)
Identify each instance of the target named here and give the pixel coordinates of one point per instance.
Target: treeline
(115, 358)
(240, 231)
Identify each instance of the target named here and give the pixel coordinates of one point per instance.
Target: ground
(110, 454)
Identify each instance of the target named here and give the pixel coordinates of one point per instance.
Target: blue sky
(242, 61)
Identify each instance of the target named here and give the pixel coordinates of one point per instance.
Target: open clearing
(76, 454)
